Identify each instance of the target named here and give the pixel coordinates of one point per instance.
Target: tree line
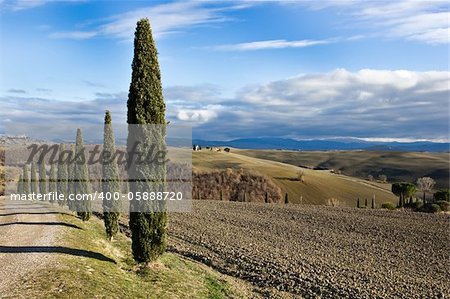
(145, 106)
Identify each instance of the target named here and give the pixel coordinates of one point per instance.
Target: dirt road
(28, 232)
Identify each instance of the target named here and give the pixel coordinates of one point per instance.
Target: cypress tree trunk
(34, 180)
(26, 181)
(357, 203)
(110, 180)
(62, 174)
(81, 184)
(42, 178)
(146, 106)
(20, 185)
(286, 198)
(373, 202)
(266, 199)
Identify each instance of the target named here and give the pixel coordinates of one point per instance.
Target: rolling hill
(318, 187)
(328, 144)
(397, 166)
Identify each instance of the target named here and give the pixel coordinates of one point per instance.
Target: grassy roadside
(100, 269)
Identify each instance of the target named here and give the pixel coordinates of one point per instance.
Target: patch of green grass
(216, 289)
(107, 270)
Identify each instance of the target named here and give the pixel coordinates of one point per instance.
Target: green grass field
(318, 187)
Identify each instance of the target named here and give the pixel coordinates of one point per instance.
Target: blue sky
(235, 69)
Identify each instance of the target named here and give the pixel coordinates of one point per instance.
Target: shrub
(444, 205)
(443, 194)
(300, 176)
(388, 206)
(434, 208)
(417, 205)
(231, 183)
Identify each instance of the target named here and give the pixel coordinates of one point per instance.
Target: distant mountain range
(327, 144)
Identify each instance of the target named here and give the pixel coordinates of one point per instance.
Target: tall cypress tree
(146, 106)
(42, 178)
(34, 183)
(81, 183)
(62, 175)
(110, 181)
(20, 185)
(26, 181)
(52, 179)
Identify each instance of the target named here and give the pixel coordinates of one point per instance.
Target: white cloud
(381, 139)
(17, 5)
(165, 19)
(398, 105)
(26, 4)
(390, 104)
(77, 35)
(198, 116)
(270, 44)
(425, 21)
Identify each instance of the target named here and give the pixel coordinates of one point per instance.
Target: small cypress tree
(365, 202)
(373, 202)
(110, 181)
(266, 198)
(33, 179)
(146, 106)
(286, 198)
(81, 183)
(221, 195)
(244, 198)
(71, 179)
(62, 173)
(52, 179)
(357, 203)
(42, 178)
(20, 185)
(26, 181)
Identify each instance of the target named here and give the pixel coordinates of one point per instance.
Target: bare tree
(382, 178)
(300, 176)
(333, 202)
(425, 185)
